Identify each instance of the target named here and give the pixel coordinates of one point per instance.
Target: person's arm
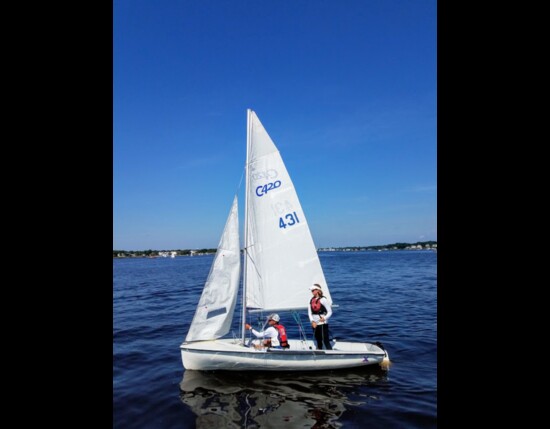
(327, 305)
(256, 333)
(259, 334)
(270, 332)
(309, 312)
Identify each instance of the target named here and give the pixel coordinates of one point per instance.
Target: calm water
(382, 296)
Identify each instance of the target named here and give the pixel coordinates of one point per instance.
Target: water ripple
(381, 296)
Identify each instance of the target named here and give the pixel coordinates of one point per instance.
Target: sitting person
(274, 336)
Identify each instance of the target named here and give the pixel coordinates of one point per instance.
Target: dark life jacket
(317, 307)
(283, 340)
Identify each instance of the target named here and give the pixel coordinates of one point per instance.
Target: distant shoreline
(420, 245)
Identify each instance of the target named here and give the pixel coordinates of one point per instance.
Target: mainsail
(216, 306)
(282, 260)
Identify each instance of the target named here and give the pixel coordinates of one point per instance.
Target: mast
(248, 141)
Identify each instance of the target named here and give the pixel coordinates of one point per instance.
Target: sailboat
(280, 264)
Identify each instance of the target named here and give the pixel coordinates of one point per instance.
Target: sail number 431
(291, 219)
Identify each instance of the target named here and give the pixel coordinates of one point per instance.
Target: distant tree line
(394, 246)
(187, 252)
(151, 253)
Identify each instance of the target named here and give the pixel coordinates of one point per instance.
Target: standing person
(274, 336)
(319, 312)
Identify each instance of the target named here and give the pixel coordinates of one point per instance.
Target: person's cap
(274, 316)
(315, 286)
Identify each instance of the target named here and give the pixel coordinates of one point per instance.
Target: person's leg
(326, 337)
(319, 337)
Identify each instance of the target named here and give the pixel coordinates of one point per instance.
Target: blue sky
(346, 90)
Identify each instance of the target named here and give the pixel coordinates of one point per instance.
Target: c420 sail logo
(264, 189)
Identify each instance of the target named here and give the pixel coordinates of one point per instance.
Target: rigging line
(303, 334)
(265, 321)
(260, 322)
(252, 261)
(241, 181)
(260, 317)
(299, 323)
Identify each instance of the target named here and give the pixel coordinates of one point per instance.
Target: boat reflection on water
(254, 400)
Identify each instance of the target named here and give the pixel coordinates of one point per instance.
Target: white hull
(231, 355)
